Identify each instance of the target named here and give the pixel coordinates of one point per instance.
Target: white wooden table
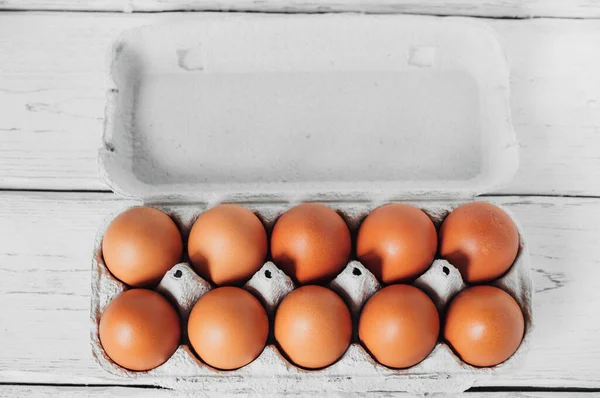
(52, 198)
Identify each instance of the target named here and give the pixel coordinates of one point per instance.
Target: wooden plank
(475, 8)
(52, 97)
(46, 243)
(53, 82)
(555, 105)
(13, 391)
(63, 5)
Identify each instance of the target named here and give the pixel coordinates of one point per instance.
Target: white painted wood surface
(52, 85)
(45, 255)
(135, 392)
(477, 8)
(52, 82)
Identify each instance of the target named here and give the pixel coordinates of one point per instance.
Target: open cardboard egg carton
(356, 370)
(268, 111)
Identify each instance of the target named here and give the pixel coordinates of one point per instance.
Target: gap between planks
(490, 195)
(279, 9)
(470, 8)
(20, 390)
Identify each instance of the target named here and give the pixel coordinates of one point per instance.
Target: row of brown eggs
(311, 243)
(228, 327)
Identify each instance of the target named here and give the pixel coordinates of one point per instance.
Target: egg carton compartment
(271, 372)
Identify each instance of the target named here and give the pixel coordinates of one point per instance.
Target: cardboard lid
(219, 107)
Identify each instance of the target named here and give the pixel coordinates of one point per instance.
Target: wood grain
(476, 8)
(53, 82)
(46, 243)
(52, 97)
(11, 391)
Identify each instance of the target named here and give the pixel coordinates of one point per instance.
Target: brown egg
(484, 325)
(399, 326)
(141, 245)
(310, 243)
(479, 239)
(139, 329)
(227, 244)
(228, 328)
(396, 243)
(313, 327)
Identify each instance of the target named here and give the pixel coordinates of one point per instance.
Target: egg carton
(268, 111)
(356, 370)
